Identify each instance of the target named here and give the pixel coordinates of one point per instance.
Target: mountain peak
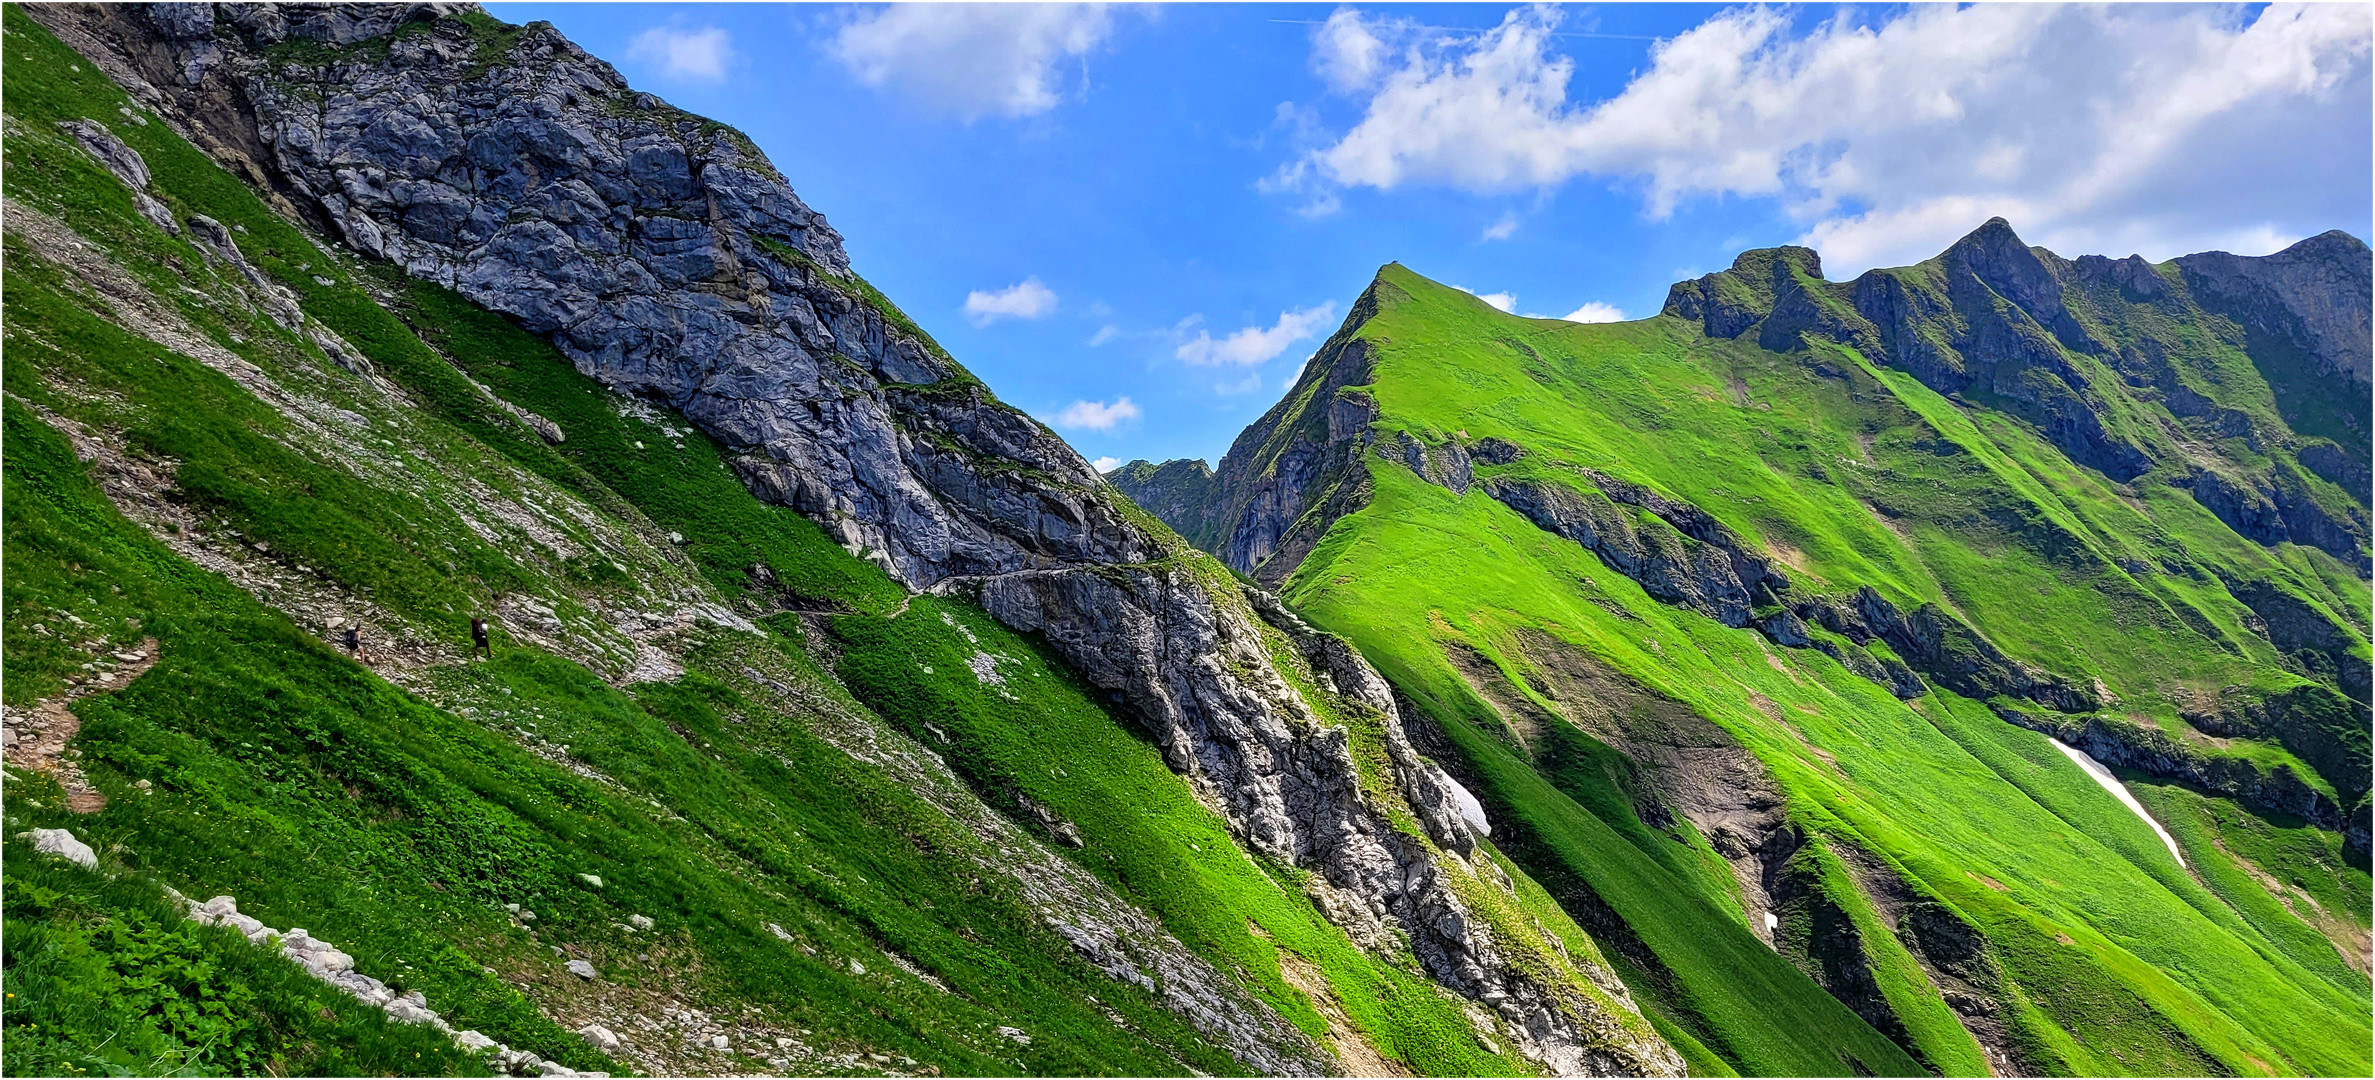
(2332, 243)
(1993, 242)
(1763, 262)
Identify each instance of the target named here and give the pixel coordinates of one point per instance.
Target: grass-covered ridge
(2109, 958)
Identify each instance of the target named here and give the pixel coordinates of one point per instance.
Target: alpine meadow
(490, 589)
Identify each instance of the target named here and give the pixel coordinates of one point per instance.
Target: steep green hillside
(1728, 619)
(700, 711)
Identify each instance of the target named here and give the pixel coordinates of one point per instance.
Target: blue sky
(1137, 222)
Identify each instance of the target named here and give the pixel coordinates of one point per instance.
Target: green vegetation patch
(106, 977)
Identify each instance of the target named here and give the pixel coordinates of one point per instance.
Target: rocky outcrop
(1186, 652)
(1780, 293)
(126, 165)
(326, 962)
(1669, 564)
(63, 844)
(1296, 471)
(1946, 649)
(1681, 555)
(1984, 317)
(2312, 296)
(2311, 642)
(669, 260)
(1449, 812)
(1959, 960)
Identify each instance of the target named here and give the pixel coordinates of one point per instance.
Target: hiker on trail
(478, 639)
(354, 646)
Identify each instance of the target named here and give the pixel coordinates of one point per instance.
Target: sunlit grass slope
(794, 886)
(2114, 959)
(322, 796)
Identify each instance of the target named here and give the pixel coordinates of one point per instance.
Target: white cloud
(1595, 311)
(1502, 229)
(974, 60)
(1097, 415)
(1346, 53)
(2111, 128)
(1502, 300)
(1250, 383)
(1106, 464)
(1026, 300)
(696, 55)
(1104, 333)
(1254, 344)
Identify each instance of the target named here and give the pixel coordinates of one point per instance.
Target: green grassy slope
(800, 891)
(2112, 958)
(323, 796)
(88, 953)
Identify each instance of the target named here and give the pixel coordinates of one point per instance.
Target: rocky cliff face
(667, 259)
(1296, 457)
(2312, 295)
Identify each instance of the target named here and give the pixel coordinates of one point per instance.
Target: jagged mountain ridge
(2308, 299)
(1764, 469)
(2049, 358)
(668, 261)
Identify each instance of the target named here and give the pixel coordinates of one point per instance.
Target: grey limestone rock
(63, 844)
(1668, 564)
(126, 164)
(601, 1037)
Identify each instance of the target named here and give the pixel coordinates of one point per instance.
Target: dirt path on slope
(37, 738)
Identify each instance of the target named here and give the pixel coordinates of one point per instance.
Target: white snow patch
(2118, 790)
(1470, 810)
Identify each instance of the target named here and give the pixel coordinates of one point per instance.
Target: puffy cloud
(1026, 300)
(1106, 464)
(1346, 53)
(2112, 128)
(973, 60)
(1254, 344)
(1097, 415)
(694, 55)
(1502, 300)
(1502, 229)
(1595, 311)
